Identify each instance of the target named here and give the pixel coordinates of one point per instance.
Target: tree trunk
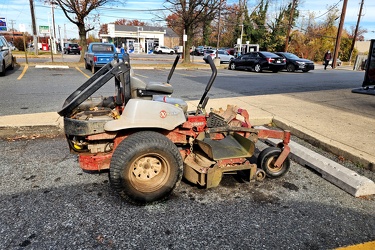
(188, 44)
(82, 37)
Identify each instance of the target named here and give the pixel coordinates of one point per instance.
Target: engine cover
(139, 113)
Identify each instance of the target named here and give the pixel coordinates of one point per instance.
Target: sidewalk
(345, 134)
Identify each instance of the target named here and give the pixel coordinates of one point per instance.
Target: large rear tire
(145, 168)
(267, 159)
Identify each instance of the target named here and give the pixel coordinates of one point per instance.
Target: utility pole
(34, 27)
(242, 8)
(217, 59)
(339, 32)
(356, 31)
(289, 25)
(53, 39)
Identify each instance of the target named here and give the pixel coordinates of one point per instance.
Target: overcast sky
(18, 12)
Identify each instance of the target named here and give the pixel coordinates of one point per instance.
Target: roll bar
(204, 98)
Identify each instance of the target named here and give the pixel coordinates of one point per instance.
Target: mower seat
(140, 89)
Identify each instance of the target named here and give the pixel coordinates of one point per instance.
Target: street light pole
(34, 27)
(241, 38)
(356, 31)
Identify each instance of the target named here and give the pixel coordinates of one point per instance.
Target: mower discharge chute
(149, 140)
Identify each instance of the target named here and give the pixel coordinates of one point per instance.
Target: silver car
(224, 56)
(6, 58)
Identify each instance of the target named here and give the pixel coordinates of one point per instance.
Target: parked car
(258, 61)
(231, 51)
(178, 49)
(294, 63)
(199, 51)
(222, 54)
(72, 48)
(98, 55)
(6, 57)
(163, 49)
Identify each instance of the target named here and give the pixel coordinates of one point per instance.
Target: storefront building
(140, 39)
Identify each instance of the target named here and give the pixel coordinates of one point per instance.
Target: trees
(78, 12)
(191, 15)
(255, 25)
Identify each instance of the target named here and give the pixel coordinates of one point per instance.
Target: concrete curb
(327, 144)
(38, 124)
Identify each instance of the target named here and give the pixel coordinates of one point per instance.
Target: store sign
(43, 29)
(3, 24)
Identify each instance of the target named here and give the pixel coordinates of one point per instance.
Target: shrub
(18, 43)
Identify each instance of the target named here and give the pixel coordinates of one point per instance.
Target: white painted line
(52, 66)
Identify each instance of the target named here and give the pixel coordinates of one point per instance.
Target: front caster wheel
(267, 159)
(145, 168)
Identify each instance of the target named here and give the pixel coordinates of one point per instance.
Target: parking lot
(35, 90)
(48, 201)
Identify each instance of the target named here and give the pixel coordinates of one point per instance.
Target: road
(49, 203)
(44, 90)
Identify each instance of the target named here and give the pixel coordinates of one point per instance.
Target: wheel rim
(257, 68)
(290, 68)
(271, 165)
(149, 172)
(232, 66)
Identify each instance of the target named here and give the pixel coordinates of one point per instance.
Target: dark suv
(73, 48)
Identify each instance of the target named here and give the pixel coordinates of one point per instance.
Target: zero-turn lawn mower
(148, 140)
